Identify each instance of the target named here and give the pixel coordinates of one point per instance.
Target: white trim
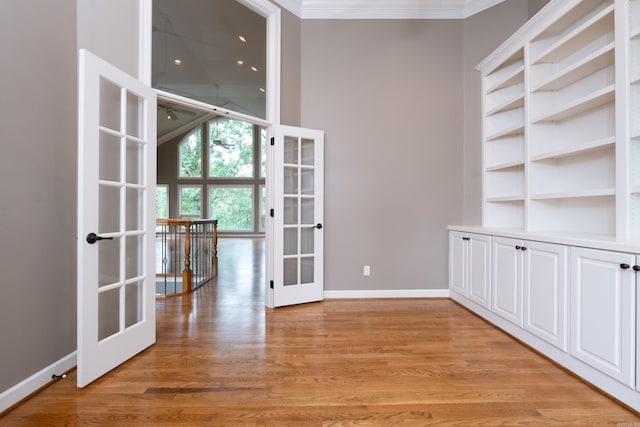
(476, 6)
(390, 293)
(386, 9)
(144, 40)
(35, 382)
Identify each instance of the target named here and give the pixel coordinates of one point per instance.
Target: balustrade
(186, 254)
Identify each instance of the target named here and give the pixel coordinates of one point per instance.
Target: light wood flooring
(222, 359)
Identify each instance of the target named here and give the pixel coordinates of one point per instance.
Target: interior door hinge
(272, 213)
(271, 284)
(273, 140)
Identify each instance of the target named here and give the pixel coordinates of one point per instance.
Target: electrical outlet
(366, 271)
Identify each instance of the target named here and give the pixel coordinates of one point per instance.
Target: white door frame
(273, 15)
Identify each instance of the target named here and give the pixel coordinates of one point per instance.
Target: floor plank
(223, 359)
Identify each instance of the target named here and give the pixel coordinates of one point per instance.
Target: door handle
(93, 237)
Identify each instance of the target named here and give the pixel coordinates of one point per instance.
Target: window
(162, 201)
(232, 206)
(190, 201)
(230, 149)
(190, 155)
(220, 175)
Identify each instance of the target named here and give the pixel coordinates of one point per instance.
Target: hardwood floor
(222, 359)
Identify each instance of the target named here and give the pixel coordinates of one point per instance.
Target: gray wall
(37, 185)
(290, 70)
(388, 94)
(110, 30)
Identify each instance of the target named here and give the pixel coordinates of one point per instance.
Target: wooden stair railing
(194, 231)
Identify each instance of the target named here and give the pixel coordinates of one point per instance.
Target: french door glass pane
(109, 262)
(135, 154)
(290, 271)
(109, 169)
(290, 241)
(108, 313)
(109, 105)
(109, 202)
(133, 303)
(232, 206)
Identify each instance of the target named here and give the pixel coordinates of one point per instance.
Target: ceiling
(386, 9)
(204, 36)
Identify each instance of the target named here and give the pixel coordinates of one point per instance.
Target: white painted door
(116, 217)
(479, 275)
(545, 290)
(506, 277)
(458, 262)
(298, 232)
(603, 297)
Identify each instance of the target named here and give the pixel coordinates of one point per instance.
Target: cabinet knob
(518, 247)
(636, 268)
(466, 238)
(624, 266)
(524, 248)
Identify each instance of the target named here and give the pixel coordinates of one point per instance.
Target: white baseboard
(38, 380)
(391, 293)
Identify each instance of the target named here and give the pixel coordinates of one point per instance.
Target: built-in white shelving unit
(560, 238)
(634, 116)
(553, 112)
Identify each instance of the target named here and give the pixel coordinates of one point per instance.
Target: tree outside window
(230, 149)
(190, 155)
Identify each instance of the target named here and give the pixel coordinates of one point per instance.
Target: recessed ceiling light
(254, 69)
(262, 90)
(242, 38)
(240, 62)
(177, 61)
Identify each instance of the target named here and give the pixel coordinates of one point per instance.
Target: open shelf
(504, 213)
(505, 184)
(597, 98)
(515, 129)
(510, 72)
(576, 149)
(504, 152)
(509, 104)
(505, 165)
(506, 198)
(574, 194)
(589, 20)
(553, 77)
(593, 215)
(590, 173)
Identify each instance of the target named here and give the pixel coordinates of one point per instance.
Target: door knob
(318, 226)
(93, 237)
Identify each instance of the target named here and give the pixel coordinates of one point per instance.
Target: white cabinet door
(479, 262)
(545, 289)
(603, 300)
(457, 262)
(506, 277)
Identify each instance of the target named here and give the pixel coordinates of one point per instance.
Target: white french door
(116, 217)
(298, 205)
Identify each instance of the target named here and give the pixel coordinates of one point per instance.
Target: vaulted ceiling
(386, 9)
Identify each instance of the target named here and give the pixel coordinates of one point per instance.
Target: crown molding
(386, 9)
